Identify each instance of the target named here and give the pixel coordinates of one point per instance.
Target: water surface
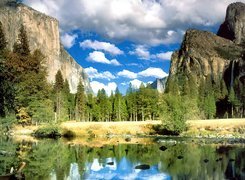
(57, 159)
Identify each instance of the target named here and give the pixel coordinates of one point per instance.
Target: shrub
(68, 134)
(49, 131)
(173, 115)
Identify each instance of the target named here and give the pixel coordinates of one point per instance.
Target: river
(168, 159)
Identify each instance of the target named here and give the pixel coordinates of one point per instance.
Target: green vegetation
(50, 131)
(26, 95)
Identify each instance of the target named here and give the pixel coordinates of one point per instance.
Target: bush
(68, 134)
(50, 131)
(174, 115)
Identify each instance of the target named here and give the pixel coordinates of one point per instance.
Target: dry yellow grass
(114, 129)
(217, 123)
(109, 128)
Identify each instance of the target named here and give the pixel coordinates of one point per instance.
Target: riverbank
(222, 128)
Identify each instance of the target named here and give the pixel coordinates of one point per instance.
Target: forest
(27, 98)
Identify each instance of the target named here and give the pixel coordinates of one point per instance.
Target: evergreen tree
(80, 103)
(173, 114)
(61, 112)
(233, 100)
(120, 109)
(3, 44)
(21, 47)
(90, 106)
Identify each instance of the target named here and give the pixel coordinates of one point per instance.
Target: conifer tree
(80, 103)
(3, 44)
(21, 47)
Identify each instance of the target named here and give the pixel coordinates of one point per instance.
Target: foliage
(173, 114)
(50, 131)
(80, 100)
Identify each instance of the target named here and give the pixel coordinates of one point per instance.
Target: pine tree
(80, 103)
(233, 100)
(58, 87)
(120, 108)
(3, 44)
(21, 47)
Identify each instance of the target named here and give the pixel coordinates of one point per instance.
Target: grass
(95, 130)
(216, 128)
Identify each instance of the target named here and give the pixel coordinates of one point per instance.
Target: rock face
(234, 26)
(43, 34)
(159, 84)
(205, 55)
(202, 54)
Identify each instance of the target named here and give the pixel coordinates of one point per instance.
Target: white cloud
(153, 72)
(99, 57)
(164, 56)
(94, 74)
(68, 40)
(108, 88)
(105, 46)
(142, 52)
(150, 72)
(127, 74)
(136, 83)
(151, 22)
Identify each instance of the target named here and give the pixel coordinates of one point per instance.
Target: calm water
(54, 159)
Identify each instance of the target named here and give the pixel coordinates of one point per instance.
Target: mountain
(43, 34)
(205, 56)
(233, 27)
(159, 84)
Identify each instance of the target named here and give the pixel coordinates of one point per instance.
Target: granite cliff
(204, 54)
(234, 26)
(43, 34)
(159, 84)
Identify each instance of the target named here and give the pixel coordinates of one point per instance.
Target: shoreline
(198, 129)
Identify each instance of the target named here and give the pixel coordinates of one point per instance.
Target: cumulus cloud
(105, 46)
(153, 72)
(149, 72)
(110, 87)
(94, 74)
(142, 52)
(127, 74)
(99, 57)
(150, 22)
(68, 40)
(164, 55)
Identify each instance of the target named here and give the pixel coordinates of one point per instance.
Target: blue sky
(123, 41)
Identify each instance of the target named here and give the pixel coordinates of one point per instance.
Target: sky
(119, 42)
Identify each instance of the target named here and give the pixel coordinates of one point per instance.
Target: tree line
(26, 94)
(26, 97)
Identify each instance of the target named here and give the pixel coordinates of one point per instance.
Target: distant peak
(232, 28)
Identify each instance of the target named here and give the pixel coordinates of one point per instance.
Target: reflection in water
(124, 169)
(52, 159)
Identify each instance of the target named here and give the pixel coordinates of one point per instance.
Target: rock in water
(180, 157)
(43, 34)
(110, 163)
(233, 27)
(205, 160)
(143, 166)
(128, 139)
(163, 148)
